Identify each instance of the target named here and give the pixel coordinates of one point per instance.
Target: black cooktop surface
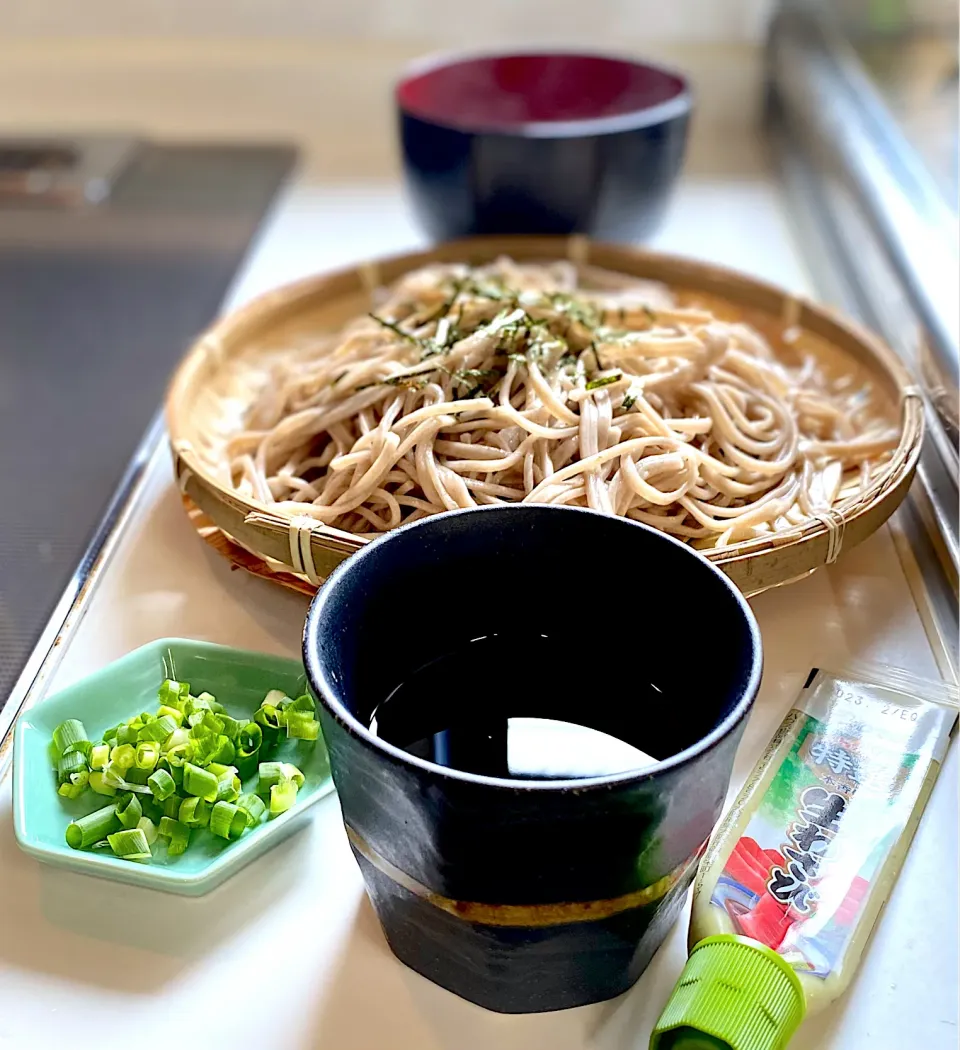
(112, 258)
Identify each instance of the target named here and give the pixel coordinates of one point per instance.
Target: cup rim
(633, 120)
(326, 695)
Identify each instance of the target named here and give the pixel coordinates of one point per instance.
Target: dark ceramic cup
(541, 144)
(532, 895)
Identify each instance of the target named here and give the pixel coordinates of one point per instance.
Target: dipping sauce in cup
(531, 714)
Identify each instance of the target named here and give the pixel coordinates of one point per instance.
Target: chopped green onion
(123, 756)
(204, 747)
(175, 763)
(171, 806)
(225, 751)
(249, 740)
(67, 735)
(146, 825)
(176, 756)
(112, 775)
(272, 773)
(231, 727)
(130, 780)
(202, 737)
(99, 756)
(98, 784)
(302, 703)
(253, 806)
(129, 811)
(83, 747)
(173, 694)
(212, 722)
(268, 716)
(179, 738)
(228, 788)
(171, 712)
(159, 729)
(302, 726)
(282, 797)
(227, 820)
(148, 752)
(271, 733)
(208, 702)
(201, 782)
(247, 765)
(75, 786)
(151, 808)
(161, 784)
(291, 772)
(70, 762)
(126, 735)
(197, 705)
(269, 773)
(182, 768)
(248, 743)
(195, 812)
(92, 828)
(130, 844)
(239, 823)
(179, 839)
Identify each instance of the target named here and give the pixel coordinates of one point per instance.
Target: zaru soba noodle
(552, 384)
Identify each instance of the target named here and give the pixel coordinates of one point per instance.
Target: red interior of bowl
(512, 90)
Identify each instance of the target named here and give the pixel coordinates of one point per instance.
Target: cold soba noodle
(548, 384)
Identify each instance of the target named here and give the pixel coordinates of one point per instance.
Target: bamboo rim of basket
(311, 551)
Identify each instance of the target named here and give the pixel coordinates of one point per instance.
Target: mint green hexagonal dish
(239, 679)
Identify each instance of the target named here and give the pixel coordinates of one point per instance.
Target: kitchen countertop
(84, 960)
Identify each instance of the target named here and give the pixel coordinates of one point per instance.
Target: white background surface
(288, 954)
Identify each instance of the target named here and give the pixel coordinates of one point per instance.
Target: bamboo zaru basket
(212, 390)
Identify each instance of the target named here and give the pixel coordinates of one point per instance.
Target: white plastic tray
(83, 960)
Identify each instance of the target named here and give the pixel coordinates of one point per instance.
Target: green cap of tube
(734, 994)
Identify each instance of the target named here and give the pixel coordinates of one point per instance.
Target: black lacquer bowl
(541, 144)
(531, 895)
